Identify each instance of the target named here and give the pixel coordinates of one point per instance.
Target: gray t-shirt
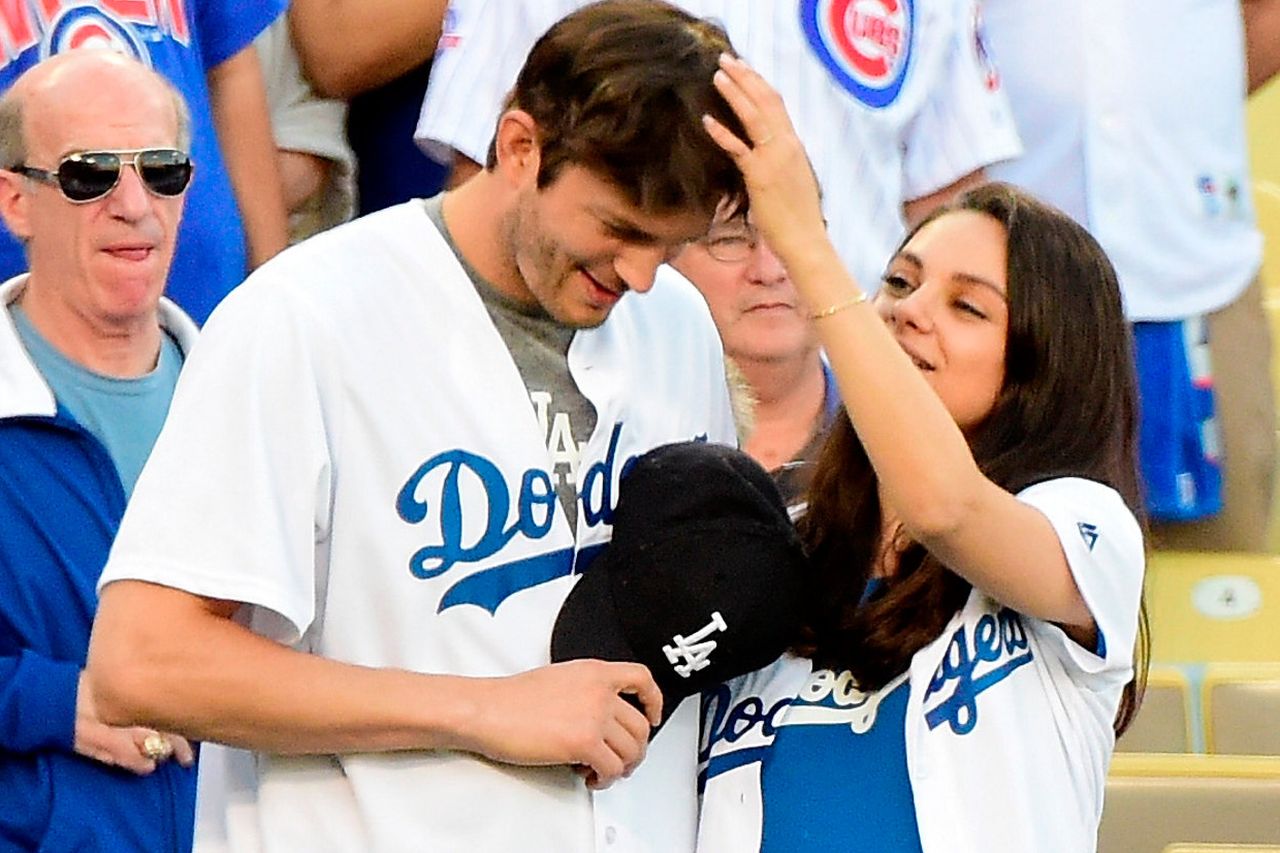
(539, 345)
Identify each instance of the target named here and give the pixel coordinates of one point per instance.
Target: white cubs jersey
(893, 99)
(1008, 732)
(352, 452)
(1133, 115)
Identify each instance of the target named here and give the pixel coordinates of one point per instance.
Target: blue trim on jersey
(730, 761)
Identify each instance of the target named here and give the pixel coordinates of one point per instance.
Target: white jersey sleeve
(256, 370)
(966, 122)
(1103, 545)
(483, 47)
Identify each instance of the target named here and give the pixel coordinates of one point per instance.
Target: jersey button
(610, 835)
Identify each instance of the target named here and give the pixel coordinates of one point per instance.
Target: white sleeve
(481, 52)
(1103, 545)
(234, 502)
(966, 123)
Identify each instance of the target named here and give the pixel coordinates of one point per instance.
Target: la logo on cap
(699, 529)
(696, 650)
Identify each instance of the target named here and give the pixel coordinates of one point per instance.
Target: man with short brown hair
(398, 444)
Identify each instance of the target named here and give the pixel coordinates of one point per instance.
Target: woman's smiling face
(945, 298)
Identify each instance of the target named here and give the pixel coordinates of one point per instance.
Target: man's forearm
(243, 124)
(160, 657)
(171, 660)
(343, 55)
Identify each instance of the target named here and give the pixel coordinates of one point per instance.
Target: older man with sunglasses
(94, 172)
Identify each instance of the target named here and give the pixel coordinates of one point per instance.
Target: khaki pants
(1240, 353)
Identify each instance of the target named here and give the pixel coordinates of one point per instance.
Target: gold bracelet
(839, 306)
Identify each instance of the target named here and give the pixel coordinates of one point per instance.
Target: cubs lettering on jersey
(865, 44)
(120, 25)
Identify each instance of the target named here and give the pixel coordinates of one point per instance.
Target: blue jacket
(60, 504)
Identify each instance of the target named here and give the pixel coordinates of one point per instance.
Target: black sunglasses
(89, 175)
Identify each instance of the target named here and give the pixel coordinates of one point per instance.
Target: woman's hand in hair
(785, 203)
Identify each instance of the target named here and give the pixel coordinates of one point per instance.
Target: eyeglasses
(87, 176)
(731, 243)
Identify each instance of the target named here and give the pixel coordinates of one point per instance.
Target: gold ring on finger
(157, 747)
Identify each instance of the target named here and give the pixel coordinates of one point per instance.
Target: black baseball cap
(701, 581)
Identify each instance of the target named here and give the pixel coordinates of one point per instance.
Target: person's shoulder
(1090, 515)
(405, 221)
(361, 262)
(1079, 495)
(356, 249)
(1073, 490)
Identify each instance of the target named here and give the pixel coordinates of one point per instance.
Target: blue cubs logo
(865, 44)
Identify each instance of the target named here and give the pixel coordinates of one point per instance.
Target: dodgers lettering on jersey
(999, 640)
(121, 25)
(469, 533)
(865, 44)
(739, 732)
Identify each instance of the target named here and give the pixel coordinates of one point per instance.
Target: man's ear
(13, 204)
(519, 152)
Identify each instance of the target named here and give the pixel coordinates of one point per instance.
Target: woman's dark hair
(1067, 408)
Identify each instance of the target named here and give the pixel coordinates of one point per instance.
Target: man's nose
(129, 199)
(637, 265)
(763, 266)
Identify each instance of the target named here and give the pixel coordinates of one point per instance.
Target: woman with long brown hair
(974, 603)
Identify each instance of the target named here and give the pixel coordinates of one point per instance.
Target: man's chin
(581, 315)
(584, 320)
